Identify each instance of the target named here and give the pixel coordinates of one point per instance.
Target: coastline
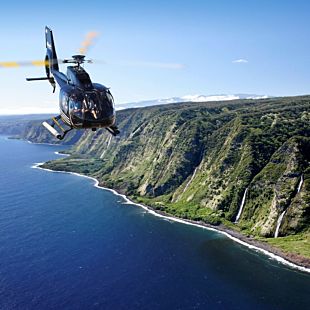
(42, 143)
(258, 246)
(61, 154)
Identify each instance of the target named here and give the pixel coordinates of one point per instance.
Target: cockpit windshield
(92, 106)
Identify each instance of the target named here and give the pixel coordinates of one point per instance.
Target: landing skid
(113, 130)
(55, 123)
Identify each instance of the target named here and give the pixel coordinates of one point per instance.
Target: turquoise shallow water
(65, 244)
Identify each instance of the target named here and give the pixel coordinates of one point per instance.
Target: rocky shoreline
(293, 260)
(296, 259)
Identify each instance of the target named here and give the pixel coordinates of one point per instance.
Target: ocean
(65, 244)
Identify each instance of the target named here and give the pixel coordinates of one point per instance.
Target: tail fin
(51, 55)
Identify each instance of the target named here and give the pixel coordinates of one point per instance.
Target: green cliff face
(35, 132)
(195, 160)
(29, 127)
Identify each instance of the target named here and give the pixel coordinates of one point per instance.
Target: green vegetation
(195, 161)
(298, 244)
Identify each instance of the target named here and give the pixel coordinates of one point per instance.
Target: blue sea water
(65, 244)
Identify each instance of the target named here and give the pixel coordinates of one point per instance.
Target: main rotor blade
(36, 63)
(15, 64)
(88, 41)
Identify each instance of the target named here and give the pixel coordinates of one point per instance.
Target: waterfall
(300, 184)
(241, 205)
(188, 183)
(279, 222)
(109, 141)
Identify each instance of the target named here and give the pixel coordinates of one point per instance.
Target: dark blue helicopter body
(82, 104)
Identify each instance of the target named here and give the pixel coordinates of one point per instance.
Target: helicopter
(82, 103)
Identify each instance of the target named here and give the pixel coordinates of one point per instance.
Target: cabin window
(64, 102)
(110, 97)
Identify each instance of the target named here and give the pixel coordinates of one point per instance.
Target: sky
(159, 49)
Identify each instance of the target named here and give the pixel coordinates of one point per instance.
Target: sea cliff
(209, 162)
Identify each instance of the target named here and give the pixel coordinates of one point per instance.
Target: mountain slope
(195, 160)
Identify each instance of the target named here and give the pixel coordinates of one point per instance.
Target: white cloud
(202, 98)
(240, 61)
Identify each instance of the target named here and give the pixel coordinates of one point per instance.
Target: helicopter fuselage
(84, 104)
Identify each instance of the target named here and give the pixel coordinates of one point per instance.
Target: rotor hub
(79, 59)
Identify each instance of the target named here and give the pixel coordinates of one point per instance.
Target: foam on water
(175, 219)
